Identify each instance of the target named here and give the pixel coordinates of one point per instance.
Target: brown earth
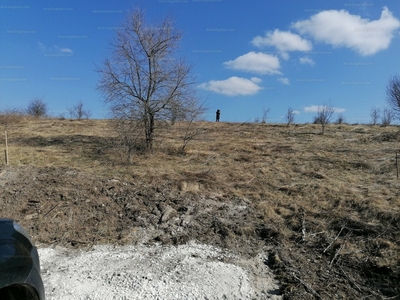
(324, 208)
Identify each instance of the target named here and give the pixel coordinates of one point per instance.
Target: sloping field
(323, 209)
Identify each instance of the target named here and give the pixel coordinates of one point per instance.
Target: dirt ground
(67, 207)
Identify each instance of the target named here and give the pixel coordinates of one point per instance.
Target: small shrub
(375, 115)
(77, 112)
(289, 117)
(340, 119)
(387, 117)
(324, 116)
(11, 116)
(37, 108)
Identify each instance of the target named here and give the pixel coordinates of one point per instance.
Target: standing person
(217, 114)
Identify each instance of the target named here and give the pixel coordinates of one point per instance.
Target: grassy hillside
(325, 207)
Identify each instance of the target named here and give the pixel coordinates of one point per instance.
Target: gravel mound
(190, 271)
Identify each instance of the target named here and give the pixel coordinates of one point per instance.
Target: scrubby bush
(10, 116)
(77, 112)
(387, 117)
(324, 116)
(340, 119)
(37, 108)
(375, 115)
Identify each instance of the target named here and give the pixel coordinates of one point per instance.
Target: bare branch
(289, 116)
(393, 95)
(375, 115)
(264, 115)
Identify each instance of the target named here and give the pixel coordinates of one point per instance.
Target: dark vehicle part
(20, 277)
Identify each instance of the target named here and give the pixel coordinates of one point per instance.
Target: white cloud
(284, 80)
(316, 108)
(255, 62)
(41, 46)
(284, 55)
(306, 61)
(283, 41)
(233, 86)
(63, 50)
(54, 49)
(296, 112)
(341, 29)
(339, 110)
(311, 109)
(256, 79)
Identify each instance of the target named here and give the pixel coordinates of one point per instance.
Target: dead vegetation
(325, 207)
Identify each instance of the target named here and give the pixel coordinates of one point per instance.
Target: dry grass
(335, 193)
(348, 167)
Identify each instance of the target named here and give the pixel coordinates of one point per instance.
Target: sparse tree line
(324, 115)
(326, 112)
(137, 119)
(38, 108)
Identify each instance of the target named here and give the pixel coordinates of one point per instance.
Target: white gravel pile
(190, 271)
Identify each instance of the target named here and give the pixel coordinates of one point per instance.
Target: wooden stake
(6, 151)
(397, 167)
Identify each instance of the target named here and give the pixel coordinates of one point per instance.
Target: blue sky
(247, 55)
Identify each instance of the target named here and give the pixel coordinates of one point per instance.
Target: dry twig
(336, 254)
(351, 280)
(304, 227)
(341, 229)
(308, 287)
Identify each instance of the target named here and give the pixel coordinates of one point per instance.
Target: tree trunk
(149, 128)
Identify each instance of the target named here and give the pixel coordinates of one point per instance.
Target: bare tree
(387, 117)
(77, 112)
(393, 95)
(289, 117)
(375, 115)
(265, 115)
(192, 130)
(37, 108)
(340, 119)
(324, 115)
(143, 81)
